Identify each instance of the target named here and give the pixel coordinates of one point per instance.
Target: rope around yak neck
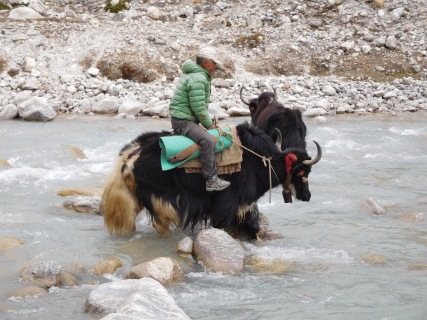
(265, 160)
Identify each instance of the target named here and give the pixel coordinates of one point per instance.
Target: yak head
(256, 105)
(298, 166)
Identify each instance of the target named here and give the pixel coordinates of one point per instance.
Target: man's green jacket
(191, 99)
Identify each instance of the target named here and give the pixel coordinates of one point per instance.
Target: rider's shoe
(216, 184)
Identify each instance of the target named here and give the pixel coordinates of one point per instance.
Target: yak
(175, 198)
(272, 117)
(277, 121)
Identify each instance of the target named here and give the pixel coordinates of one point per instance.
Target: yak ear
(279, 140)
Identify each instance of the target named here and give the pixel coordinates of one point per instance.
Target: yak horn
(275, 93)
(317, 158)
(244, 100)
(279, 140)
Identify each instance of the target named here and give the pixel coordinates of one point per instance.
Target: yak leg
(246, 222)
(249, 223)
(164, 216)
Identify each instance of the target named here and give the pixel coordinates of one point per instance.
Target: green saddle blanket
(178, 149)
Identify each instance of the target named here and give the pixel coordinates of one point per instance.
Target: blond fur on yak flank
(120, 207)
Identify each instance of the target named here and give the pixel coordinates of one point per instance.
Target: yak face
(257, 105)
(299, 183)
(298, 167)
(253, 104)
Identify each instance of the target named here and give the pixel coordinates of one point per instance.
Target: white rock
(93, 71)
(24, 13)
(29, 64)
(142, 298)
(162, 269)
(9, 112)
(153, 12)
(31, 84)
(130, 107)
(185, 245)
(315, 112)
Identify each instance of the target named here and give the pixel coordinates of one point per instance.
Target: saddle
(181, 151)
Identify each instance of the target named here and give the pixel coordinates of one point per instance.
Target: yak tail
(119, 205)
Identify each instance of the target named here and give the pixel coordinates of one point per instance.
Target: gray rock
(218, 251)
(391, 42)
(106, 106)
(36, 109)
(329, 90)
(89, 205)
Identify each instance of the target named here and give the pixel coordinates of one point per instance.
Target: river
(346, 262)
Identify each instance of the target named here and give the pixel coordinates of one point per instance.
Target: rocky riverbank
(322, 57)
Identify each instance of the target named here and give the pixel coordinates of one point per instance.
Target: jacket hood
(190, 66)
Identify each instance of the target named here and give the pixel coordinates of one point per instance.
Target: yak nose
(306, 196)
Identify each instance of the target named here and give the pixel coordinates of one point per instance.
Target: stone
(9, 112)
(185, 245)
(130, 107)
(106, 266)
(36, 109)
(164, 270)
(28, 291)
(218, 251)
(10, 242)
(139, 298)
(24, 13)
(106, 106)
(88, 205)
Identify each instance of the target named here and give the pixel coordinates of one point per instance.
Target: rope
(264, 159)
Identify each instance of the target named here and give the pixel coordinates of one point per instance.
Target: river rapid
(345, 260)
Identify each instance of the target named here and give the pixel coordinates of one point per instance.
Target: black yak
(175, 198)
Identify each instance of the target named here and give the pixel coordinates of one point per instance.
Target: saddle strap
(184, 154)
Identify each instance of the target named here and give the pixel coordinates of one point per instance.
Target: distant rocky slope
(330, 56)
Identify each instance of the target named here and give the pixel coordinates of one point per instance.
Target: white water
(328, 240)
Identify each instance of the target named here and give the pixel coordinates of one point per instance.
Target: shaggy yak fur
(175, 198)
(271, 116)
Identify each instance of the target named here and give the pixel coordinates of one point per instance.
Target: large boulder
(134, 299)
(36, 109)
(218, 251)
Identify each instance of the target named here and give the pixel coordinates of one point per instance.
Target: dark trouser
(206, 142)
